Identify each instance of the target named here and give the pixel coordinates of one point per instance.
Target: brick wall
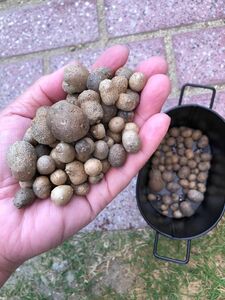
(40, 36)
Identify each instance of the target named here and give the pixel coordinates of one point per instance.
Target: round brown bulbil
(184, 172)
(151, 197)
(137, 81)
(186, 133)
(88, 95)
(206, 156)
(65, 152)
(166, 199)
(156, 183)
(45, 165)
(81, 189)
(75, 78)
(109, 111)
(174, 132)
(192, 177)
(128, 116)
(58, 177)
(186, 208)
(188, 142)
(75, 171)
(195, 195)
(84, 148)
(23, 197)
(93, 111)
(189, 153)
(98, 75)
(131, 141)
(42, 187)
(108, 91)
(40, 129)
(202, 177)
(203, 142)
(184, 183)
(93, 167)
(192, 164)
(204, 166)
(117, 155)
(116, 124)
(128, 101)
(120, 83)
(101, 150)
(124, 71)
(167, 176)
(98, 131)
(21, 159)
(183, 161)
(201, 187)
(161, 168)
(67, 122)
(105, 166)
(196, 135)
(61, 194)
(169, 154)
(192, 184)
(173, 186)
(171, 141)
(177, 214)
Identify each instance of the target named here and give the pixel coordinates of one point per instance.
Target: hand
(35, 229)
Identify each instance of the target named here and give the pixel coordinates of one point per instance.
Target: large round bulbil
(77, 140)
(22, 159)
(67, 122)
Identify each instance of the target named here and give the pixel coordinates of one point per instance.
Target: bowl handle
(206, 87)
(174, 260)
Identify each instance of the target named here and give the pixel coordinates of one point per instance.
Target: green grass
(119, 265)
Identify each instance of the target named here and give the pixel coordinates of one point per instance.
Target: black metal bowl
(212, 208)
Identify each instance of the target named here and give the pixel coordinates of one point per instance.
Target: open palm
(27, 232)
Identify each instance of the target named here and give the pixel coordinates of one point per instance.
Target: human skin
(42, 226)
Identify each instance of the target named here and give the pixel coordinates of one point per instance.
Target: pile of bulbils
(178, 177)
(74, 142)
